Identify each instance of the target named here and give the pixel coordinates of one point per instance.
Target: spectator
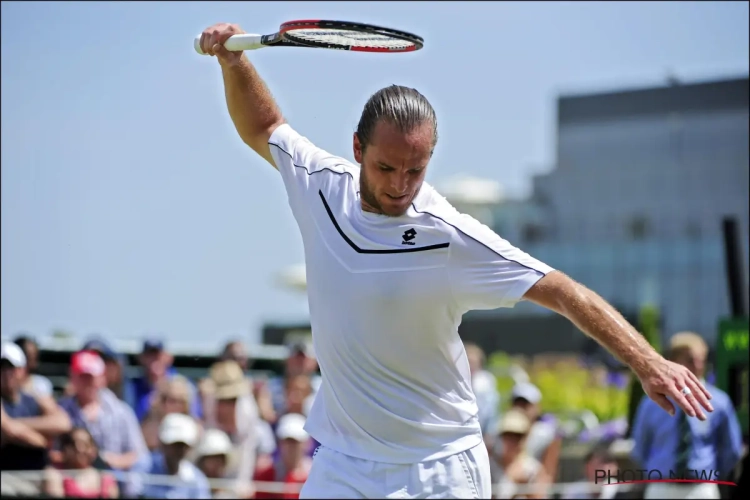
(115, 369)
(599, 465)
(33, 383)
(212, 458)
(235, 351)
(543, 443)
(297, 391)
(157, 366)
(79, 453)
(681, 444)
(514, 467)
(110, 421)
(174, 395)
(177, 434)
(301, 361)
(293, 465)
(232, 409)
(484, 385)
(27, 423)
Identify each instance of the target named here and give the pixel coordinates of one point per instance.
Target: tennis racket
(338, 35)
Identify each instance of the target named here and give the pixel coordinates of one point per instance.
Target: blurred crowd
(231, 435)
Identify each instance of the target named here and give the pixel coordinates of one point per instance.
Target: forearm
(48, 425)
(598, 319)
(120, 461)
(14, 431)
(251, 106)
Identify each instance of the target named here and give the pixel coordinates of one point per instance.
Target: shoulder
(290, 147)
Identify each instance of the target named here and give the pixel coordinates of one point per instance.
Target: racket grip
(235, 43)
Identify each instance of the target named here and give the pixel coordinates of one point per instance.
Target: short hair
(601, 451)
(401, 106)
(23, 340)
(687, 341)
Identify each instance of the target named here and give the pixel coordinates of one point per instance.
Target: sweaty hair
(400, 106)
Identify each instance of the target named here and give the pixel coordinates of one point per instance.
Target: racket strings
(350, 38)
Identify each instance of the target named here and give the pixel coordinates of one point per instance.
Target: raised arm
(251, 106)
(598, 319)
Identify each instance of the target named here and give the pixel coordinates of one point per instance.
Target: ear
(357, 146)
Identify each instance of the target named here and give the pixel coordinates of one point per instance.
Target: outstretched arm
(251, 106)
(598, 319)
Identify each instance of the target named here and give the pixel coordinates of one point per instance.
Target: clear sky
(130, 206)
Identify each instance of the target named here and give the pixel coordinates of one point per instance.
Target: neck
(12, 397)
(85, 401)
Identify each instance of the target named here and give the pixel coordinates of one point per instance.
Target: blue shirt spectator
(681, 444)
(716, 442)
(157, 365)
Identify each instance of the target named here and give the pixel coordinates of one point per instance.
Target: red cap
(88, 363)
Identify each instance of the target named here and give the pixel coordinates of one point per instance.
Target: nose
(399, 182)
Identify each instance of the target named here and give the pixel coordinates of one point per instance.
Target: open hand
(665, 379)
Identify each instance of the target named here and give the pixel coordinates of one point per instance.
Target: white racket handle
(235, 43)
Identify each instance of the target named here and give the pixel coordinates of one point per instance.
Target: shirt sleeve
(487, 272)
(299, 160)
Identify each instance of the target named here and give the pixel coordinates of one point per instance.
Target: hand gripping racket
(340, 35)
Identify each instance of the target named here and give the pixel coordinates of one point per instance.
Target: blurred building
(633, 208)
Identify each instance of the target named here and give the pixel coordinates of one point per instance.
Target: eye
(416, 171)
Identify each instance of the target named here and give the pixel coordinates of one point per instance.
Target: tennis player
(391, 269)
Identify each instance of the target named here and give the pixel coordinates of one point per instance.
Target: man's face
(236, 352)
(530, 409)
(175, 452)
(32, 356)
(393, 167)
(299, 363)
(86, 386)
(155, 362)
(291, 452)
(10, 379)
(692, 359)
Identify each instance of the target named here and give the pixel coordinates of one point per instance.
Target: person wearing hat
(513, 470)
(542, 443)
(234, 350)
(29, 422)
(293, 464)
(212, 458)
(178, 433)
(156, 362)
(115, 369)
(110, 421)
(231, 408)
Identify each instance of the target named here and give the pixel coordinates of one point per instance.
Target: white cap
(178, 428)
(214, 442)
(13, 354)
(292, 426)
(527, 391)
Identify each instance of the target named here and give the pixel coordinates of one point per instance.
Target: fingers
(699, 394)
(662, 401)
(702, 390)
(213, 38)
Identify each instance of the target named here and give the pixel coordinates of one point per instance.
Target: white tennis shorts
(335, 475)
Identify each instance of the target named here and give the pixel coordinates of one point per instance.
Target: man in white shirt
(391, 269)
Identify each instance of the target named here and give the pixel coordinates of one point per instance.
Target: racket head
(344, 35)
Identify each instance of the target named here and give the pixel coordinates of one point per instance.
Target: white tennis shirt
(386, 296)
